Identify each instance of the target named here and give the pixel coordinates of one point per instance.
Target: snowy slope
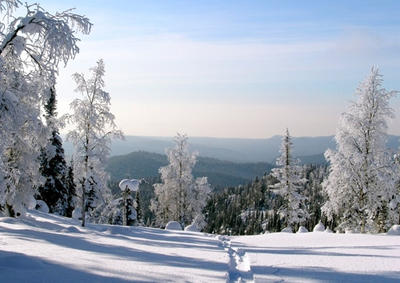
(48, 248)
(321, 256)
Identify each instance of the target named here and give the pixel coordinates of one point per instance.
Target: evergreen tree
(71, 189)
(53, 166)
(361, 182)
(139, 212)
(290, 186)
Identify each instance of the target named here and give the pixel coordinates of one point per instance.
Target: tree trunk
(83, 202)
(125, 209)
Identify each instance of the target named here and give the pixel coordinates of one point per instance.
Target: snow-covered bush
(173, 225)
(192, 228)
(287, 230)
(302, 229)
(77, 213)
(319, 227)
(42, 206)
(394, 230)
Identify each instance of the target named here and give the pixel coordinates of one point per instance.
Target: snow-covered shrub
(319, 227)
(302, 229)
(192, 228)
(77, 213)
(287, 230)
(173, 225)
(42, 206)
(394, 230)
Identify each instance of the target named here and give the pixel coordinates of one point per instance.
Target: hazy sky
(235, 68)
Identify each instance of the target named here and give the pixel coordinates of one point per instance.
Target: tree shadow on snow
(313, 252)
(319, 274)
(80, 243)
(17, 267)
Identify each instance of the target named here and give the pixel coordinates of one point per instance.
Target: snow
(42, 247)
(49, 248)
(287, 230)
(173, 225)
(394, 230)
(77, 213)
(319, 227)
(42, 206)
(192, 228)
(321, 257)
(132, 185)
(302, 229)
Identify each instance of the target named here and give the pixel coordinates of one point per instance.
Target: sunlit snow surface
(48, 248)
(321, 257)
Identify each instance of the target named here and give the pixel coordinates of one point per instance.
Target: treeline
(254, 208)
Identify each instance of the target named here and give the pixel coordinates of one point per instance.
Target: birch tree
(33, 43)
(361, 180)
(94, 128)
(179, 197)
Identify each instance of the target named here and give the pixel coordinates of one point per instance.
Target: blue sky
(235, 68)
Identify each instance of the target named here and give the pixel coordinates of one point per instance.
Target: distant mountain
(230, 149)
(316, 159)
(220, 174)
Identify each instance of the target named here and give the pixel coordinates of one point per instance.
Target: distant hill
(316, 159)
(235, 150)
(220, 174)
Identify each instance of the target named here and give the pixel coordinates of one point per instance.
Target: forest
(357, 191)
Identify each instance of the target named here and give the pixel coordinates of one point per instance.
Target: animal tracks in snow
(239, 262)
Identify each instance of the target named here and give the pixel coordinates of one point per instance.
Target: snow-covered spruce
(290, 185)
(94, 127)
(361, 184)
(179, 197)
(33, 42)
(53, 167)
(128, 210)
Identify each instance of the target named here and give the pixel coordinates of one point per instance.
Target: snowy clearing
(47, 248)
(321, 256)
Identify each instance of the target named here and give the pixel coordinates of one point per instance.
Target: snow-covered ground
(48, 248)
(321, 256)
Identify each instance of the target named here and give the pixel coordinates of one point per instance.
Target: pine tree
(71, 189)
(53, 166)
(94, 129)
(290, 185)
(361, 182)
(139, 208)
